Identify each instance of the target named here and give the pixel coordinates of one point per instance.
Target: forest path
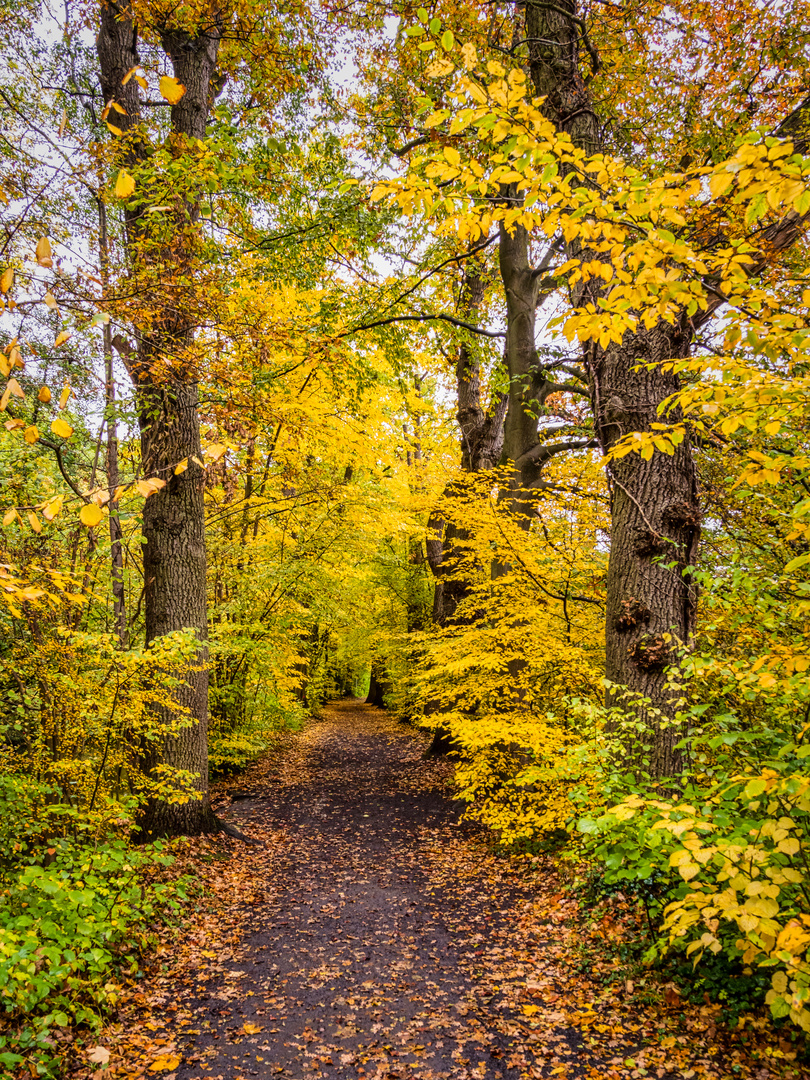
(380, 939)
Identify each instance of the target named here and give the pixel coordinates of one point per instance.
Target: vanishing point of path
(381, 939)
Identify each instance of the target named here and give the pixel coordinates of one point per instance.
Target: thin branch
(406, 149)
(58, 452)
(426, 318)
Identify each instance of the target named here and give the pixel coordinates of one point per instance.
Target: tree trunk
(175, 597)
(655, 516)
(116, 533)
(655, 528)
(378, 686)
(167, 402)
(481, 439)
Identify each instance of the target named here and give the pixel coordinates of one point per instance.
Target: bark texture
(167, 402)
(655, 529)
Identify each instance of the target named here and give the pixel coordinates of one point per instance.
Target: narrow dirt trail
(380, 939)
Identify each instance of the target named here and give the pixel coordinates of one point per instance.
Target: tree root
(231, 830)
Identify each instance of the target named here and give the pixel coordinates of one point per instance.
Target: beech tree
(655, 506)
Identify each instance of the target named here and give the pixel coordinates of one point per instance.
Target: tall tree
(655, 508)
(166, 382)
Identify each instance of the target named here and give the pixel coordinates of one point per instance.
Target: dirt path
(382, 940)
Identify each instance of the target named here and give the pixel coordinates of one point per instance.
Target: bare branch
(426, 318)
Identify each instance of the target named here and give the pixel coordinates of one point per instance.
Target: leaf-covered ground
(372, 935)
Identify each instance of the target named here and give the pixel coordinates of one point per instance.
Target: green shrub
(76, 912)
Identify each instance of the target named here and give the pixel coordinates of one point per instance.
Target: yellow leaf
(61, 338)
(44, 252)
(5, 366)
(61, 428)
(44, 395)
(129, 75)
(124, 185)
(118, 108)
(452, 155)
(14, 388)
(9, 516)
(115, 130)
(150, 486)
(141, 81)
(215, 451)
(688, 871)
(31, 435)
(90, 515)
(64, 397)
(171, 89)
(50, 300)
(7, 280)
(720, 183)
(530, 1010)
(251, 1029)
(165, 1063)
(790, 846)
(52, 507)
(36, 524)
(470, 56)
(181, 467)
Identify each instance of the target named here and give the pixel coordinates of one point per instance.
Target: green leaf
(756, 208)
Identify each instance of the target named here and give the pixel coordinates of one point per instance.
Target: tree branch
(426, 318)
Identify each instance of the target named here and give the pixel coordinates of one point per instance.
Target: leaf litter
(371, 933)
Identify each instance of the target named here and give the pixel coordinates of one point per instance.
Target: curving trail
(380, 939)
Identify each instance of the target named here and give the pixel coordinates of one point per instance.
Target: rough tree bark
(167, 403)
(655, 513)
(116, 533)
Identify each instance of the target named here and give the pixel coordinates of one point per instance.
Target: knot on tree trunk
(633, 613)
(652, 653)
(648, 544)
(682, 515)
